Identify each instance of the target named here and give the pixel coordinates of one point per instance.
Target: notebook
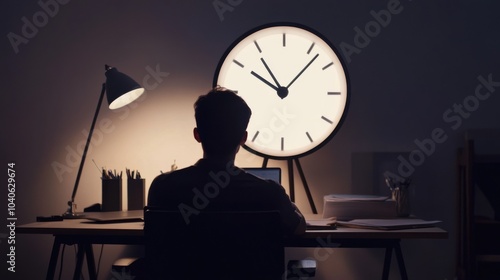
(321, 224)
(271, 173)
(115, 216)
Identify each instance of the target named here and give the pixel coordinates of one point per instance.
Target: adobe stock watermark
(220, 180)
(266, 134)
(321, 253)
(453, 117)
(373, 28)
(223, 6)
(105, 126)
(122, 275)
(278, 122)
(201, 198)
(30, 28)
(324, 249)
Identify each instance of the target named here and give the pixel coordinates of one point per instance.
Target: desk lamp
(121, 90)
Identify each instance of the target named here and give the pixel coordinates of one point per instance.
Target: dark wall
(414, 77)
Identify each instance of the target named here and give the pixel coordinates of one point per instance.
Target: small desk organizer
(135, 194)
(111, 195)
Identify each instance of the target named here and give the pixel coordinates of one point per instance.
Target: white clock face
(295, 85)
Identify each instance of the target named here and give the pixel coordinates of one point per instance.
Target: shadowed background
(407, 79)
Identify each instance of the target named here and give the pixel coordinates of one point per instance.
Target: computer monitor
(271, 173)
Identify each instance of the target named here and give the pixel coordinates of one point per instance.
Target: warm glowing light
(126, 98)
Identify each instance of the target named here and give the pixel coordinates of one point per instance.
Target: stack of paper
(388, 224)
(347, 207)
(328, 223)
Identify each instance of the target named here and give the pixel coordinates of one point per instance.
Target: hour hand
(264, 80)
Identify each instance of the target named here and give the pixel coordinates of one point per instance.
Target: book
(347, 207)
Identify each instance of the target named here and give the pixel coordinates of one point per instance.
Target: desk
(84, 234)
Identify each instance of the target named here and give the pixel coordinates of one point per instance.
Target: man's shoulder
(173, 175)
(166, 184)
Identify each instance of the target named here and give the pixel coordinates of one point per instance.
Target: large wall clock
(295, 83)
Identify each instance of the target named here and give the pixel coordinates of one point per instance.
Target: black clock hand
(281, 91)
(270, 72)
(302, 71)
(264, 80)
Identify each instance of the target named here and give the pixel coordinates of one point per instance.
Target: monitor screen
(271, 173)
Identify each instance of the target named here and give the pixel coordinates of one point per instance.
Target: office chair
(479, 245)
(213, 245)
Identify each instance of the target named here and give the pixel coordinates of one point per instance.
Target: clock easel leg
(306, 186)
(290, 180)
(264, 163)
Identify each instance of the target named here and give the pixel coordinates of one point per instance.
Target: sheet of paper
(389, 223)
(354, 197)
(321, 222)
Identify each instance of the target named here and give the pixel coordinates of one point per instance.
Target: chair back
(213, 245)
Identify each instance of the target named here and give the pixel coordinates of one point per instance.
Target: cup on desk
(135, 193)
(402, 198)
(112, 194)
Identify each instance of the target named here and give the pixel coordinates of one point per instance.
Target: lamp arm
(82, 163)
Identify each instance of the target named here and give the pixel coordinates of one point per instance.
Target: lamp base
(72, 216)
(71, 213)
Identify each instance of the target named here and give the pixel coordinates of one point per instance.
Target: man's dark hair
(221, 119)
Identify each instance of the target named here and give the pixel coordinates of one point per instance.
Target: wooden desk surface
(86, 232)
(86, 227)
(83, 227)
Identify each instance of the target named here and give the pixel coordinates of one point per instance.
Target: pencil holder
(135, 194)
(402, 198)
(112, 194)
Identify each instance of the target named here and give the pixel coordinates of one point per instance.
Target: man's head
(221, 119)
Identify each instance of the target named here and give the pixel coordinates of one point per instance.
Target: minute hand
(302, 71)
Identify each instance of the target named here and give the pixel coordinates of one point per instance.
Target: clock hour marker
(238, 63)
(328, 65)
(257, 45)
(309, 136)
(277, 75)
(310, 48)
(326, 120)
(255, 136)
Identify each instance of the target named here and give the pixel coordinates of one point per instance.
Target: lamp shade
(121, 90)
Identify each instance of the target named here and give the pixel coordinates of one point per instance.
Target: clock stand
(291, 180)
(272, 67)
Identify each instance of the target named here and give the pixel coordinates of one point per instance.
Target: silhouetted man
(214, 182)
